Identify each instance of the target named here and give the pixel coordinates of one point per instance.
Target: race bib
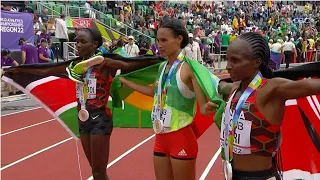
(165, 115)
(241, 137)
(154, 113)
(92, 88)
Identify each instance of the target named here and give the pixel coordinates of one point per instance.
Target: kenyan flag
(57, 95)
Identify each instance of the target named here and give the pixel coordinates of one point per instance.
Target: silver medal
(227, 168)
(83, 115)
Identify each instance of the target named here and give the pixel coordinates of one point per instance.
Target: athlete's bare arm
(51, 70)
(146, 90)
(225, 88)
(285, 89)
(124, 66)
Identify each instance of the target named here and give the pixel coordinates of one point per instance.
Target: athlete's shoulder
(276, 82)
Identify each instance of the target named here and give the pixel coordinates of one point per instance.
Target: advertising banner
(15, 25)
(79, 22)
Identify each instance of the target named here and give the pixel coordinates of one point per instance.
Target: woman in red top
(260, 110)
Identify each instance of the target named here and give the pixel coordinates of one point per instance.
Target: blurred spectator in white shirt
(192, 50)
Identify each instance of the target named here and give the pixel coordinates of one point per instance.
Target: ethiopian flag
(147, 76)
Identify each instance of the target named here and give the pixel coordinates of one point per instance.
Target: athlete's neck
(245, 83)
(173, 57)
(88, 56)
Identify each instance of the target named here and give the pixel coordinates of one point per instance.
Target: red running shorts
(181, 144)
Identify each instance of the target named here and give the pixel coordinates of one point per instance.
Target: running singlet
(179, 109)
(98, 91)
(252, 124)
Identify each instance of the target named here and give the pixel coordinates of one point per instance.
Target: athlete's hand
(122, 80)
(209, 107)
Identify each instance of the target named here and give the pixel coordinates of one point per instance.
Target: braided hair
(260, 50)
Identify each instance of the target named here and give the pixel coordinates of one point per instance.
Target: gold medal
(157, 126)
(83, 115)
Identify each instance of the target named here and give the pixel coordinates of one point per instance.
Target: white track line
(209, 166)
(126, 153)
(27, 127)
(34, 154)
(21, 111)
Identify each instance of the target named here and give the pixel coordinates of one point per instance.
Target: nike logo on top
(182, 153)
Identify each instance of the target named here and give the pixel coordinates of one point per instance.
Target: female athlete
(95, 119)
(175, 93)
(255, 109)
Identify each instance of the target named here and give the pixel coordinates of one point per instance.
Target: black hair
(5, 52)
(21, 40)
(177, 29)
(43, 40)
(260, 50)
(95, 35)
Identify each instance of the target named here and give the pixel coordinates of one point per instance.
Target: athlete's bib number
(241, 136)
(92, 88)
(154, 113)
(165, 115)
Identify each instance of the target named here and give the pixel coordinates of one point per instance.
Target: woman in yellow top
(306, 8)
(304, 49)
(235, 23)
(269, 6)
(232, 36)
(310, 48)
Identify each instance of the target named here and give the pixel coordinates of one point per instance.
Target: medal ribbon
(162, 94)
(229, 140)
(83, 90)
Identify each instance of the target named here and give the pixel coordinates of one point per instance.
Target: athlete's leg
(183, 169)
(84, 130)
(100, 144)
(183, 152)
(85, 141)
(162, 167)
(161, 158)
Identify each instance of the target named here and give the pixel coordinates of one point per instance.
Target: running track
(37, 147)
